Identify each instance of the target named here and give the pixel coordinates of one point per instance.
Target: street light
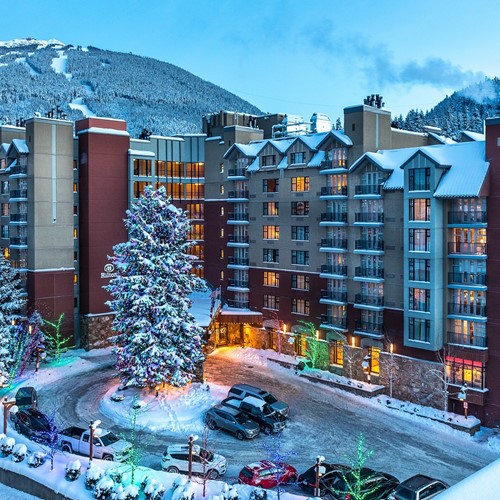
(8, 405)
(191, 440)
(365, 364)
(320, 470)
(462, 396)
(92, 428)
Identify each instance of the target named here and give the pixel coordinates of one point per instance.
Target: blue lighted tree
(158, 340)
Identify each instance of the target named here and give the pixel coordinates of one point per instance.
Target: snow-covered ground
(81, 106)
(60, 64)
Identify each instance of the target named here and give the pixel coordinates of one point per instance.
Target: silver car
(232, 420)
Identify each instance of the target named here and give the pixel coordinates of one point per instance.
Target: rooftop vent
(374, 100)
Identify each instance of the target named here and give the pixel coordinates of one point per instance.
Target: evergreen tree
(11, 304)
(158, 339)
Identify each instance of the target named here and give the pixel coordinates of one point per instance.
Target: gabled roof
(251, 150)
(473, 136)
(20, 146)
(441, 138)
(337, 135)
(316, 160)
(385, 159)
(282, 145)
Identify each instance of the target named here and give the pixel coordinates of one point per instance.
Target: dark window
(300, 257)
(300, 233)
(419, 269)
(300, 208)
(419, 179)
(419, 329)
(270, 255)
(270, 185)
(420, 240)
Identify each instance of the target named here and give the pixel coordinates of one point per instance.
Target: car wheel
(268, 430)
(239, 435)
(211, 424)
(172, 469)
(212, 474)
(67, 448)
(109, 458)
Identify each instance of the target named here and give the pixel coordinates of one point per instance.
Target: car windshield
(39, 422)
(270, 399)
(109, 438)
(207, 455)
(267, 410)
(247, 473)
(240, 418)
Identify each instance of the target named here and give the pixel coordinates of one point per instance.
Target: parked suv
(241, 391)
(257, 409)
(418, 487)
(34, 424)
(232, 420)
(176, 459)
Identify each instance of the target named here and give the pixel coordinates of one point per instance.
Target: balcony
(369, 327)
(465, 248)
(369, 245)
(338, 217)
(18, 170)
(242, 193)
(19, 241)
(467, 279)
(237, 283)
(236, 172)
(18, 193)
(369, 218)
(466, 340)
(238, 261)
(333, 322)
(461, 217)
(334, 269)
(471, 309)
(238, 217)
(369, 272)
(18, 217)
(334, 295)
(334, 191)
(237, 238)
(334, 243)
(369, 300)
(238, 304)
(369, 189)
(19, 264)
(331, 164)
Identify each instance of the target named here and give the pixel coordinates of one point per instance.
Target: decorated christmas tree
(158, 340)
(11, 304)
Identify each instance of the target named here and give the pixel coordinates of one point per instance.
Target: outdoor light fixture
(92, 428)
(320, 470)
(462, 396)
(191, 440)
(365, 364)
(8, 405)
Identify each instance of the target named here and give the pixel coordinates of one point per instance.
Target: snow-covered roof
(252, 149)
(282, 145)
(385, 159)
(138, 152)
(316, 160)
(283, 163)
(473, 136)
(5, 147)
(254, 166)
(21, 146)
(105, 131)
(312, 141)
(441, 138)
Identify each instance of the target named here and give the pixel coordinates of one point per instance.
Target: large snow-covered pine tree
(11, 305)
(158, 338)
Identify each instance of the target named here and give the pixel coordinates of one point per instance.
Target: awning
(231, 315)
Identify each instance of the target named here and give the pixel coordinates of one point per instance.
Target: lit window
(271, 278)
(75, 233)
(300, 208)
(221, 168)
(300, 306)
(222, 232)
(75, 278)
(222, 275)
(270, 208)
(271, 232)
(75, 187)
(222, 210)
(420, 209)
(300, 183)
(271, 302)
(222, 254)
(221, 189)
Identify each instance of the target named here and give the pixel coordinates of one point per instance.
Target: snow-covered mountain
(464, 110)
(38, 75)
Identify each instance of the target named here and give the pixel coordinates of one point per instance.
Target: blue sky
(294, 56)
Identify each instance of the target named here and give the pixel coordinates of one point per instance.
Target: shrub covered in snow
(179, 481)
(93, 475)
(154, 490)
(182, 493)
(19, 452)
(7, 445)
(73, 470)
(36, 459)
(229, 492)
(116, 475)
(258, 493)
(104, 488)
(131, 492)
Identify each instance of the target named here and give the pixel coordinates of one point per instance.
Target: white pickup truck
(107, 445)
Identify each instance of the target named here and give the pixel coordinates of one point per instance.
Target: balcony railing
(242, 193)
(368, 189)
(19, 241)
(467, 278)
(336, 295)
(374, 245)
(334, 217)
(19, 217)
(238, 216)
(238, 283)
(369, 217)
(238, 261)
(236, 172)
(462, 217)
(18, 169)
(19, 264)
(333, 243)
(328, 164)
(334, 322)
(238, 304)
(334, 269)
(334, 191)
(369, 300)
(18, 193)
(466, 248)
(237, 238)
(464, 339)
(368, 272)
(466, 309)
(374, 328)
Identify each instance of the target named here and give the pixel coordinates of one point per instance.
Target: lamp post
(40, 355)
(320, 470)
(365, 364)
(94, 424)
(8, 405)
(191, 440)
(462, 396)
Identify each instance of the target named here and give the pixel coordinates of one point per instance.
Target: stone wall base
(95, 331)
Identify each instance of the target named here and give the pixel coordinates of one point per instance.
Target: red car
(267, 474)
